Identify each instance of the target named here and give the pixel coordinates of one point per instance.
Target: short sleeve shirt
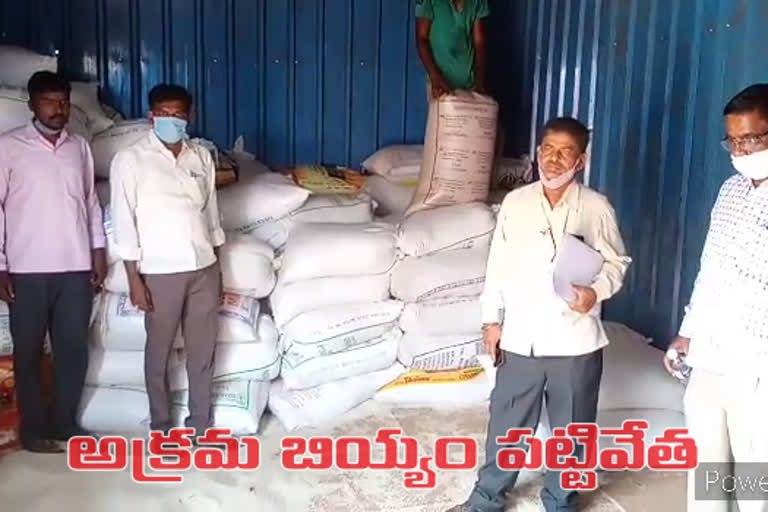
(451, 37)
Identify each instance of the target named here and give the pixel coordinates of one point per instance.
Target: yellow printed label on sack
(420, 377)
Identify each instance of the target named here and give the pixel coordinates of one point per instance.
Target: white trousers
(727, 416)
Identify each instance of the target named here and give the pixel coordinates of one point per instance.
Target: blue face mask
(170, 129)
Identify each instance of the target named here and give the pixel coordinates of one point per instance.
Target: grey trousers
(191, 299)
(569, 385)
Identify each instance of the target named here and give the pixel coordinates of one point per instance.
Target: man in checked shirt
(725, 330)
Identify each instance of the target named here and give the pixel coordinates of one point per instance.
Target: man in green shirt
(451, 39)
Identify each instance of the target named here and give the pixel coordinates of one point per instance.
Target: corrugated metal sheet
(651, 78)
(304, 81)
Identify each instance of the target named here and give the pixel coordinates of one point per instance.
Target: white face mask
(754, 166)
(559, 181)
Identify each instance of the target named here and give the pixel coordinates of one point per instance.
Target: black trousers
(59, 304)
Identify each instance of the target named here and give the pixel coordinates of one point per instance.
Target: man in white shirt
(724, 333)
(546, 347)
(167, 232)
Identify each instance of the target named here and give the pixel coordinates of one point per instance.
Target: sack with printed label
(105, 145)
(326, 403)
(237, 405)
(441, 275)
(258, 360)
(442, 317)
(246, 267)
(440, 353)
(238, 319)
(448, 388)
(313, 366)
(335, 250)
(459, 151)
(462, 226)
(115, 410)
(290, 300)
(337, 328)
(119, 325)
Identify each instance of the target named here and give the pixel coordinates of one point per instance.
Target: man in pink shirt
(52, 259)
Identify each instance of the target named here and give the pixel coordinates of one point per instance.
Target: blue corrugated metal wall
(651, 78)
(331, 80)
(304, 81)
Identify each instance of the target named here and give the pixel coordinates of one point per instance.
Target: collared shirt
(519, 289)
(50, 218)
(727, 317)
(164, 210)
(451, 37)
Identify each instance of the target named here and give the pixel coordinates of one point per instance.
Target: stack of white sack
(440, 279)
(17, 65)
(247, 265)
(114, 138)
(394, 174)
(336, 321)
(246, 359)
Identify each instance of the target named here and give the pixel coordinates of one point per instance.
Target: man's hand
(681, 345)
(585, 300)
(439, 87)
(6, 288)
(140, 296)
(491, 338)
(99, 270)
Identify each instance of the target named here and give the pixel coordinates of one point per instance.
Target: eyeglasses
(750, 143)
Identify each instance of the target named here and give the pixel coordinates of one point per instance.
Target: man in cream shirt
(167, 232)
(546, 348)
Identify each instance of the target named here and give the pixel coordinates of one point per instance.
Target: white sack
(117, 277)
(246, 267)
(237, 405)
(105, 145)
(6, 342)
(260, 199)
(14, 109)
(462, 226)
(307, 370)
(338, 328)
(419, 388)
(326, 403)
(459, 150)
(123, 368)
(115, 410)
(440, 353)
(289, 300)
(259, 360)
(334, 208)
(238, 319)
(634, 376)
(85, 97)
(402, 161)
(17, 65)
(336, 250)
(119, 325)
(392, 197)
(274, 233)
(441, 317)
(445, 274)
